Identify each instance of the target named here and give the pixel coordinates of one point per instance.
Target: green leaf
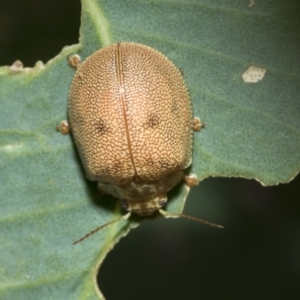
(252, 130)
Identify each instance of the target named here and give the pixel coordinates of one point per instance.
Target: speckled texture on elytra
(131, 117)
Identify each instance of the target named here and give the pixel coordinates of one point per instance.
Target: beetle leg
(191, 180)
(197, 124)
(63, 127)
(74, 61)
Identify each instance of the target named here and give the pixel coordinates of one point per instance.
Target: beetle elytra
(131, 117)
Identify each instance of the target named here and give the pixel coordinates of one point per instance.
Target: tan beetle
(131, 117)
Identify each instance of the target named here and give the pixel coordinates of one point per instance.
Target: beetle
(131, 117)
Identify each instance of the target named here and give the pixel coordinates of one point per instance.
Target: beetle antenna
(125, 217)
(167, 214)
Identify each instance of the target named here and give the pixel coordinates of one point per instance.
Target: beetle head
(144, 208)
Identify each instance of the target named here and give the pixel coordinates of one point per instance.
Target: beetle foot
(74, 61)
(63, 127)
(191, 180)
(198, 124)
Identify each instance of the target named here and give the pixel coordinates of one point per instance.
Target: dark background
(256, 256)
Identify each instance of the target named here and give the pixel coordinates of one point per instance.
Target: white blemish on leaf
(254, 74)
(11, 147)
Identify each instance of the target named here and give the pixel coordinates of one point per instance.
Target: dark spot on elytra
(101, 127)
(153, 120)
